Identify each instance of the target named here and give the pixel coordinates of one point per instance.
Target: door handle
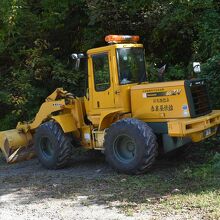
(98, 104)
(117, 92)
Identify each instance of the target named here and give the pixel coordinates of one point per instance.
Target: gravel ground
(28, 191)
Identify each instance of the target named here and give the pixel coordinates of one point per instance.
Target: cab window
(101, 72)
(131, 65)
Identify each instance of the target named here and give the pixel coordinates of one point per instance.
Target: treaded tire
(58, 154)
(144, 142)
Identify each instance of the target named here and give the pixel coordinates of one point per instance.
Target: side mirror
(77, 57)
(196, 67)
(74, 56)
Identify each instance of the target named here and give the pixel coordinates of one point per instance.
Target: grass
(174, 188)
(179, 187)
(162, 195)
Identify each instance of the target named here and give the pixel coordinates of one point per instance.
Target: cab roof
(113, 47)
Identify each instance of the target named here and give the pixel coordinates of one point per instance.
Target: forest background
(37, 38)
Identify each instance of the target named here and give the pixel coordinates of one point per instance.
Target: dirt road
(28, 191)
(88, 189)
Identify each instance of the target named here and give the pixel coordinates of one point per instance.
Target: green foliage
(176, 72)
(216, 163)
(210, 71)
(37, 38)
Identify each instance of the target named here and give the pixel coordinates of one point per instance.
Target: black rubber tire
(146, 147)
(61, 149)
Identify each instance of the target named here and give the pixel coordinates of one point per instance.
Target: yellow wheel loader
(121, 114)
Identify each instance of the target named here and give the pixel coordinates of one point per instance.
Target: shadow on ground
(91, 178)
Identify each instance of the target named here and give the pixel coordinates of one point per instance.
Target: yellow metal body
(11, 143)
(116, 97)
(150, 102)
(60, 106)
(159, 101)
(195, 128)
(164, 102)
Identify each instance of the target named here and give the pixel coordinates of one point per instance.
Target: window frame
(100, 55)
(119, 69)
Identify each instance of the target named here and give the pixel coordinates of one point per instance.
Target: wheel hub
(130, 147)
(124, 148)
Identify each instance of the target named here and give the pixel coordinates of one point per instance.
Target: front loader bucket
(16, 145)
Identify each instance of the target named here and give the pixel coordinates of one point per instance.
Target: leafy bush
(211, 72)
(37, 38)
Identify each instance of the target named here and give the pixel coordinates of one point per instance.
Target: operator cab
(112, 70)
(130, 60)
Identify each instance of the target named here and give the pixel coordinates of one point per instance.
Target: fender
(66, 122)
(107, 118)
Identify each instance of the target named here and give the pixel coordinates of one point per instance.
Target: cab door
(103, 96)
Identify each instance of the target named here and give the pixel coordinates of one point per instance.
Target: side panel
(159, 101)
(123, 97)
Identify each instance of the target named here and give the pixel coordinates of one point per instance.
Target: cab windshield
(131, 65)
